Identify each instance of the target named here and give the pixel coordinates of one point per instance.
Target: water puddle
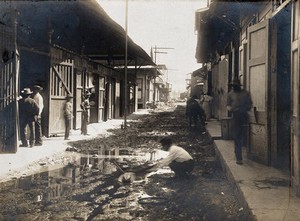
(83, 189)
(272, 182)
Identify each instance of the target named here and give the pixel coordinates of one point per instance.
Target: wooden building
(67, 47)
(146, 86)
(9, 78)
(260, 41)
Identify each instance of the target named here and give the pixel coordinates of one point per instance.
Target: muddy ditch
(89, 187)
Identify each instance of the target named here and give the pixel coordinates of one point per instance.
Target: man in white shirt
(179, 160)
(37, 97)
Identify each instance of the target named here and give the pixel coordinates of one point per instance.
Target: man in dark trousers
(178, 159)
(37, 97)
(29, 111)
(85, 106)
(68, 115)
(195, 112)
(239, 102)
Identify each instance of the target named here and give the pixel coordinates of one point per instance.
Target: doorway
(283, 67)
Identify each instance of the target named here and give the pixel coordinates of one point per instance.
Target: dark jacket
(193, 108)
(28, 108)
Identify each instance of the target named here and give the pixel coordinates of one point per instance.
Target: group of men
(31, 106)
(239, 103)
(68, 114)
(179, 160)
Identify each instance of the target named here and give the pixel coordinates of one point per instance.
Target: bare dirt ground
(207, 195)
(96, 193)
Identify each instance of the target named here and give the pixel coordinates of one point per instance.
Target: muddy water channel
(88, 186)
(92, 186)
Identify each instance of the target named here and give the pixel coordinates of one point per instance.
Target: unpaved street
(89, 187)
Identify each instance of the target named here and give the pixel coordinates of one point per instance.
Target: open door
(281, 78)
(295, 128)
(258, 84)
(9, 90)
(61, 84)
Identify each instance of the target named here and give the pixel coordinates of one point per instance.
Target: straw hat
(26, 91)
(37, 87)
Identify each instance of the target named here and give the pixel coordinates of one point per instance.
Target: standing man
(37, 97)
(29, 111)
(68, 115)
(85, 106)
(206, 105)
(239, 102)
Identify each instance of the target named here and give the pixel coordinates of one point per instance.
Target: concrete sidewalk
(264, 189)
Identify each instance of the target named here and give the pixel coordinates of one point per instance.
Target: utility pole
(156, 51)
(126, 50)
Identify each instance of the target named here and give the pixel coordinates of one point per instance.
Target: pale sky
(162, 23)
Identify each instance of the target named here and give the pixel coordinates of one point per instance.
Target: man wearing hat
(68, 115)
(29, 111)
(239, 102)
(38, 125)
(85, 106)
(195, 112)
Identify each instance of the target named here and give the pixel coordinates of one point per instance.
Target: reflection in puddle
(83, 189)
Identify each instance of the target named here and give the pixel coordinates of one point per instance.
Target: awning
(79, 26)
(150, 71)
(159, 80)
(216, 27)
(201, 72)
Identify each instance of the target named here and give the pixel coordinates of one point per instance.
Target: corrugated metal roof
(81, 26)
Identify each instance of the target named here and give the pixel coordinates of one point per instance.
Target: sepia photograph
(149, 110)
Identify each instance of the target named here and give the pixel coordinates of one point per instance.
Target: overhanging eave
(82, 27)
(216, 28)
